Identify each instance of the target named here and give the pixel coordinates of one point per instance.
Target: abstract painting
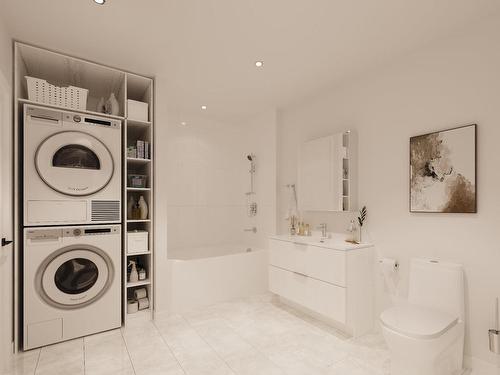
(443, 171)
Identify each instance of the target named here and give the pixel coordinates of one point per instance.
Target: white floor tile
(64, 358)
(23, 363)
(253, 336)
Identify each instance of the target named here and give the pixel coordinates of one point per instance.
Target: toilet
(425, 334)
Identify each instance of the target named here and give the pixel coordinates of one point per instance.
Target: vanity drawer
(321, 297)
(326, 265)
(288, 255)
(288, 284)
(327, 299)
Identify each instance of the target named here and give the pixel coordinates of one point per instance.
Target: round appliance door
(75, 276)
(74, 163)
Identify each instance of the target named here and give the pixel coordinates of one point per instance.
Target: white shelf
(139, 160)
(140, 88)
(138, 283)
(140, 253)
(138, 123)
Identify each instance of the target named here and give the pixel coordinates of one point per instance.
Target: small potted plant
(361, 220)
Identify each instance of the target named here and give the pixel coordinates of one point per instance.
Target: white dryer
(72, 168)
(72, 282)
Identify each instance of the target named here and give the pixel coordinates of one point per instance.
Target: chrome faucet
(323, 228)
(253, 229)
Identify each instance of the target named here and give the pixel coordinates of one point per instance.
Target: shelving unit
(141, 89)
(101, 81)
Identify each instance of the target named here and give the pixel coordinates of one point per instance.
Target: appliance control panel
(76, 118)
(91, 231)
(54, 234)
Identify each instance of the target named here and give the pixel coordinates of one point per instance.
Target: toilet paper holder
(494, 334)
(396, 263)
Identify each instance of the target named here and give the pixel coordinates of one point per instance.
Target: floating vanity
(332, 279)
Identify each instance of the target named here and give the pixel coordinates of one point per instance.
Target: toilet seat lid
(417, 322)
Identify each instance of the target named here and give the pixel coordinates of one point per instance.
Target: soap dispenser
(134, 275)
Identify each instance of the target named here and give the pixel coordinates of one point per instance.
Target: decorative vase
(143, 208)
(112, 106)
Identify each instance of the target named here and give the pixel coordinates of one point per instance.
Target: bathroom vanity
(332, 279)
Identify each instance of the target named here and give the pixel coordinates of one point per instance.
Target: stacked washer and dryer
(72, 225)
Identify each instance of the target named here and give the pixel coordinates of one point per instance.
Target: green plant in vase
(361, 220)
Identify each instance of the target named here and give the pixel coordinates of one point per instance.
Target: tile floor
(257, 336)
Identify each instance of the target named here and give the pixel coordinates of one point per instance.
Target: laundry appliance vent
(105, 211)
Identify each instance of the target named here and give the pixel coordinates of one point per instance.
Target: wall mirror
(327, 173)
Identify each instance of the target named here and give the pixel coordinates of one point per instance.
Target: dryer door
(75, 276)
(74, 163)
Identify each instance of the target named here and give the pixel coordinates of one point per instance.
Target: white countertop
(335, 242)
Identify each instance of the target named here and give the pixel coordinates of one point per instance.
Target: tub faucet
(323, 227)
(253, 229)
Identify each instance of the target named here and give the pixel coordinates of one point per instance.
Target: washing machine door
(75, 276)
(74, 163)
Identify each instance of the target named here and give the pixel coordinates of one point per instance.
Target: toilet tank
(437, 285)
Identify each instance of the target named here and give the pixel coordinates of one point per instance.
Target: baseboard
(480, 367)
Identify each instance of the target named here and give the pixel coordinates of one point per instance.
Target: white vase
(143, 207)
(112, 106)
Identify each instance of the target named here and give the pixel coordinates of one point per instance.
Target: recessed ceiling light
(100, 2)
(259, 64)
(183, 123)
(203, 107)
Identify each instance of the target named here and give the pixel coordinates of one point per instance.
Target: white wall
(6, 277)
(455, 82)
(208, 177)
(201, 179)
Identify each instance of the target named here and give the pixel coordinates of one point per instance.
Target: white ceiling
(203, 51)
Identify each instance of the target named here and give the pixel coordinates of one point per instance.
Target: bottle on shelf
(134, 275)
(143, 208)
(130, 207)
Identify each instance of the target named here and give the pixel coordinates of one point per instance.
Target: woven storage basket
(39, 90)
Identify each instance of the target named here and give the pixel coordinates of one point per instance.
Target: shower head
(250, 157)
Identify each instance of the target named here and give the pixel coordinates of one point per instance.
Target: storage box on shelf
(137, 241)
(71, 97)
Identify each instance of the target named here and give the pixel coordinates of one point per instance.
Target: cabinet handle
(300, 273)
(5, 242)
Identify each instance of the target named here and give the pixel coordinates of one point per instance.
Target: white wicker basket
(39, 90)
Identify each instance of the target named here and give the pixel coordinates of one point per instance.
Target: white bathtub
(206, 275)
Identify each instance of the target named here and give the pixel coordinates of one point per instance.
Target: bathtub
(205, 275)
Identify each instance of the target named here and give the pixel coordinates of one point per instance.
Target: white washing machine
(72, 282)
(72, 168)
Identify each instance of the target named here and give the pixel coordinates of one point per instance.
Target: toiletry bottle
(307, 231)
(136, 211)
(143, 208)
(142, 274)
(130, 207)
(134, 275)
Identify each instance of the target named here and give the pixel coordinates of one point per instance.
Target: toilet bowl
(425, 335)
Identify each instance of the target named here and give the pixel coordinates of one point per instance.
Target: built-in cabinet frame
(61, 69)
